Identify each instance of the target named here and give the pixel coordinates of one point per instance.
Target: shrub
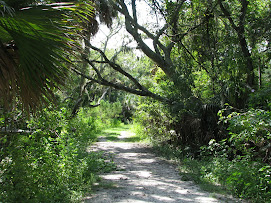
(261, 99)
(250, 132)
(245, 178)
(105, 115)
(50, 164)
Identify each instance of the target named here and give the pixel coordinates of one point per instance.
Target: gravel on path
(142, 177)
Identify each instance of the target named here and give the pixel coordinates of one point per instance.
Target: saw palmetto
(34, 46)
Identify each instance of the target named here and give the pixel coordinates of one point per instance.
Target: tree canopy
(213, 38)
(193, 75)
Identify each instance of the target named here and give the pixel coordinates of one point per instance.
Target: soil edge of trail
(141, 176)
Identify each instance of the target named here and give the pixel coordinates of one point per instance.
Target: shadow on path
(142, 177)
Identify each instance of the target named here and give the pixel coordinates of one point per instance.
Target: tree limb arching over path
(161, 55)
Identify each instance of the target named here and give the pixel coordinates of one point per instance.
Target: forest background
(195, 80)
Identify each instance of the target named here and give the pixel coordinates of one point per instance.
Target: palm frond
(35, 66)
(5, 9)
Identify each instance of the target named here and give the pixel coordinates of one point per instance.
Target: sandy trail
(142, 177)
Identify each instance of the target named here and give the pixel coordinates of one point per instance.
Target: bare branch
(114, 32)
(243, 14)
(200, 64)
(100, 99)
(132, 27)
(228, 15)
(114, 66)
(95, 69)
(241, 37)
(134, 13)
(157, 42)
(104, 82)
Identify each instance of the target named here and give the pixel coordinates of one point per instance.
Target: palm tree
(34, 46)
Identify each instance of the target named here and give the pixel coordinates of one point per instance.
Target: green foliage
(85, 126)
(242, 177)
(110, 112)
(246, 179)
(140, 134)
(261, 99)
(152, 120)
(238, 162)
(37, 50)
(112, 134)
(229, 162)
(51, 164)
(203, 85)
(35, 42)
(251, 127)
(105, 115)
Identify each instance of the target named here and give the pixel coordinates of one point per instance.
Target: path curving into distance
(142, 177)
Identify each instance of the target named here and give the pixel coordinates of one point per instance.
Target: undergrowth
(233, 154)
(241, 177)
(50, 163)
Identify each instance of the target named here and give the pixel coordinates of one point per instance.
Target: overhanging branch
(102, 81)
(113, 65)
(132, 27)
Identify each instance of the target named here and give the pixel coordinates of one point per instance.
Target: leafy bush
(242, 177)
(154, 120)
(261, 99)
(51, 163)
(105, 115)
(235, 162)
(247, 146)
(250, 132)
(245, 178)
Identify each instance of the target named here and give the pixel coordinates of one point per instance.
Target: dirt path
(143, 177)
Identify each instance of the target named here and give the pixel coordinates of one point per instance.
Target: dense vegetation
(203, 90)
(50, 163)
